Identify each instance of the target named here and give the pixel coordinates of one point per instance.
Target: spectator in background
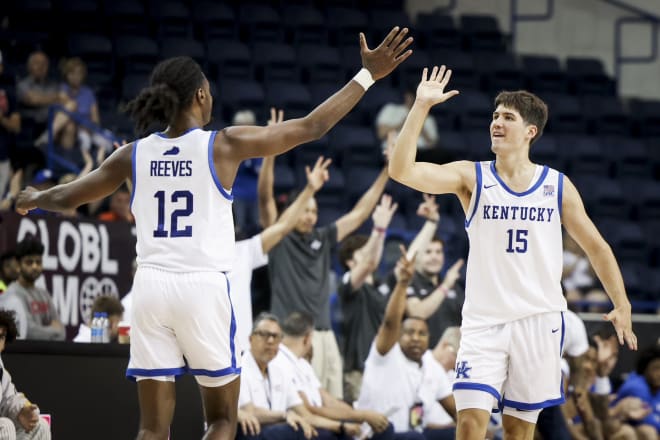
(295, 347)
(42, 180)
(401, 379)
(267, 390)
(438, 301)
(444, 353)
(42, 320)
(9, 272)
(102, 304)
(120, 207)
(392, 116)
(299, 268)
(15, 184)
(579, 279)
(19, 418)
(245, 185)
(644, 384)
(37, 92)
(362, 303)
(10, 124)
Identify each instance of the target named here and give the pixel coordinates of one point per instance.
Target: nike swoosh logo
(172, 151)
(555, 330)
(490, 186)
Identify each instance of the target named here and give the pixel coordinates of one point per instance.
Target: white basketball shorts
(183, 323)
(518, 364)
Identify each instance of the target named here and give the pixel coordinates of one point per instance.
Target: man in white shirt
(398, 380)
(296, 345)
(268, 391)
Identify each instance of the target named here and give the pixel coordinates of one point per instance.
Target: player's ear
(532, 130)
(201, 94)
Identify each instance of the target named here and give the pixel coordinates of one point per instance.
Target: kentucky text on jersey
(532, 213)
(171, 168)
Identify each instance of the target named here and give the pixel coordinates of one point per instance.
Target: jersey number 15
(519, 238)
(175, 215)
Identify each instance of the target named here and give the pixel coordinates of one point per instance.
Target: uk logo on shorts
(548, 190)
(462, 370)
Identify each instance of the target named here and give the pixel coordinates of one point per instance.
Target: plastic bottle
(96, 328)
(105, 328)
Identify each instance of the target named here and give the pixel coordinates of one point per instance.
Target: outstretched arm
(287, 221)
(584, 232)
(267, 207)
(368, 256)
(423, 308)
(388, 332)
(352, 220)
(234, 144)
(428, 209)
(454, 177)
(100, 183)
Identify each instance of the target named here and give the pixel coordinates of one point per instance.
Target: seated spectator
(102, 304)
(19, 418)
(9, 268)
(267, 391)
(644, 384)
(444, 353)
(245, 185)
(9, 300)
(400, 378)
(392, 116)
(579, 279)
(42, 320)
(362, 303)
(120, 207)
(10, 124)
(295, 346)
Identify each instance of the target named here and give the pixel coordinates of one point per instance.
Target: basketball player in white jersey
(182, 315)
(513, 325)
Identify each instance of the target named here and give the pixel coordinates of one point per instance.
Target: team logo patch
(548, 190)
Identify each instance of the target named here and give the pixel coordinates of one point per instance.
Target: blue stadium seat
(260, 23)
(481, 33)
(275, 62)
(215, 20)
(475, 110)
(498, 71)
(97, 52)
(345, 25)
(437, 31)
(131, 85)
(381, 22)
(606, 115)
(544, 74)
(174, 47)
(293, 97)
(587, 76)
(304, 24)
(136, 54)
(320, 64)
(646, 115)
(478, 144)
(585, 155)
(347, 137)
(239, 94)
(285, 178)
(628, 156)
(565, 114)
(172, 19)
(83, 15)
(375, 99)
(545, 151)
(603, 198)
(464, 75)
(229, 59)
(127, 17)
(410, 72)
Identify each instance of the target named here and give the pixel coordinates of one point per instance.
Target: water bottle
(96, 328)
(105, 328)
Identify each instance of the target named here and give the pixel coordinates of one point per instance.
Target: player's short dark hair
(531, 108)
(173, 84)
(8, 321)
(29, 246)
(348, 248)
(264, 316)
(107, 304)
(647, 356)
(297, 324)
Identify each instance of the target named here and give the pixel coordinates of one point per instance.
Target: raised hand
(431, 89)
(405, 267)
(382, 215)
(317, 176)
(622, 322)
(428, 209)
(276, 116)
(388, 55)
(453, 273)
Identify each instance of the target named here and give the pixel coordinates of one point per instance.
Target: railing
(641, 16)
(516, 17)
(52, 156)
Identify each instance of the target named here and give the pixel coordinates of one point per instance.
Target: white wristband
(602, 385)
(364, 78)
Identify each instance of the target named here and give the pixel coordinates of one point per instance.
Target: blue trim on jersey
(132, 373)
(538, 183)
(212, 168)
(133, 172)
(533, 406)
(164, 136)
(560, 192)
(476, 200)
(232, 325)
(477, 387)
(563, 333)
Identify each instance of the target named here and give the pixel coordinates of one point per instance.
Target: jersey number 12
(176, 214)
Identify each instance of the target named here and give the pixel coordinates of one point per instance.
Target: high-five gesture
(390, 53)
(431, 91)
(318, 175)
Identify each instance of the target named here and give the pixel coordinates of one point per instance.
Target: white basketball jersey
(182, 214)
(515, 261)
